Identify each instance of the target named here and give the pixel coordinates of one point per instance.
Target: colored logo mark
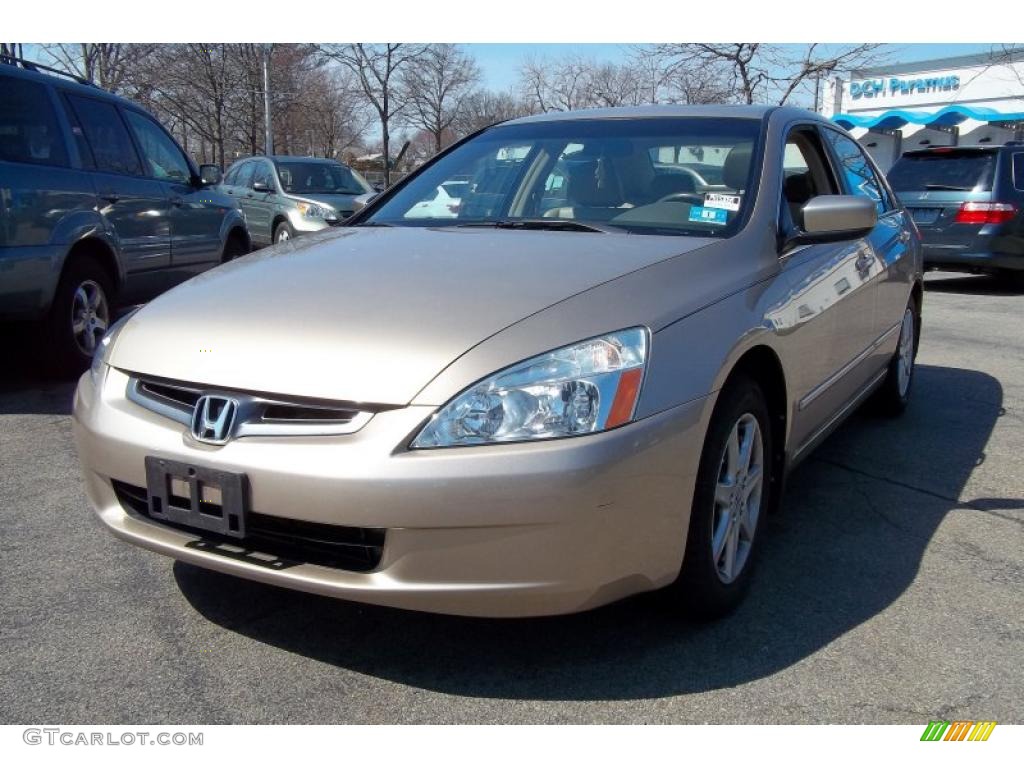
(958, 730)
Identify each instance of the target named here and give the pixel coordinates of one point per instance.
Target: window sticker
(709, 215)
(725, 202)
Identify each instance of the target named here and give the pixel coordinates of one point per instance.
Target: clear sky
(500, 61)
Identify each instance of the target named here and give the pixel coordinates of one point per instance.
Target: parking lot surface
(890, 590)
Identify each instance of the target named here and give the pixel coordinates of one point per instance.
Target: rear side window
(856, 170)
(107, 136)
(1018, 171)
(263, 173)
(244, 176)
(29, 131)
(951, 170)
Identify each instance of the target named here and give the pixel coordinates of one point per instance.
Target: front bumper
(515, 530)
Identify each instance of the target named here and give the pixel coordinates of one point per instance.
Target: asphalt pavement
(891, 590)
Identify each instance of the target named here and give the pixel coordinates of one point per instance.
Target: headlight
(580, 389)
(102, 353)
(311, 211)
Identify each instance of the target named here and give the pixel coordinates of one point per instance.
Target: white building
(956, 101)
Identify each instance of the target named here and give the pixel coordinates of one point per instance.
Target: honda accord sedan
(589, 381)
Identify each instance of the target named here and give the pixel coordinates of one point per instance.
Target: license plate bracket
(215, 499)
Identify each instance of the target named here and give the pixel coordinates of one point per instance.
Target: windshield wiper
(565, 225)
(948, 187)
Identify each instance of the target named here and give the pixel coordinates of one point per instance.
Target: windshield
(970, 171)
(310, 178)
(665, 176)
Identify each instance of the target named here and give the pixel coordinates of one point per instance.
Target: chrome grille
(258, 415)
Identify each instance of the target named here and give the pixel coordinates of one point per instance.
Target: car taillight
(985, 213)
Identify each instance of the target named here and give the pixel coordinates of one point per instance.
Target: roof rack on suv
(35, 66)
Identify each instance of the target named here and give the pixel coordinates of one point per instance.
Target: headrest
(593, 182)
(737, 166)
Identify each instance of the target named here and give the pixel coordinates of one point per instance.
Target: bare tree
(483, 108)
(757, 72)
(436, 87)
(113, 66)
(378, 70)
(557, 85)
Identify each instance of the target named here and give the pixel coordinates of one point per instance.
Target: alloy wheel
(90, 315)
(905, 364)
(738, 497)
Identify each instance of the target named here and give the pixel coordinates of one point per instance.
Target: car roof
(279, 158)
(68, 82)
(748, 111)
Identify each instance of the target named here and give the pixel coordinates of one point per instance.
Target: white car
(444, 204)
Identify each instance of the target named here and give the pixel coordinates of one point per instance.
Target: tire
(893, 395)
(235, 246)
(81, 312)
(708, 585)
(283, 232)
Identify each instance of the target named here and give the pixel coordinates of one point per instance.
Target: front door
(195, 218)
(830, 311)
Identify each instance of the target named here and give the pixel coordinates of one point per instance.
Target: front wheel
(283, 232)
(729, 504)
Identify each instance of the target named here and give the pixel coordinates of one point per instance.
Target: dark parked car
(284, 196)
(98, 204)
(968, 203)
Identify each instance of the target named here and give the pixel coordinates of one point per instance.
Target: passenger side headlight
(102, 354)
(311, 211)
(580, 389)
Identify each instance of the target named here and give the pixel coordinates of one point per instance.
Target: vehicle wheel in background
(235, 246)
(729, 504)
(81, 313)
(282, 232)
(892, 397)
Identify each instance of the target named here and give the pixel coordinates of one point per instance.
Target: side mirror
(378, 188)
(209, 175)
(261, 186)
(828, 218)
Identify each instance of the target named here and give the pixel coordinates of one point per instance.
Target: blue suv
(99, 206)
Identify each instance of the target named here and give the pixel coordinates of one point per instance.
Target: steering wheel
(693, 198)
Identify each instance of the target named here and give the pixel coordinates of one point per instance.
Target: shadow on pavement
(972, 285)
(849, 540)
(25, 386)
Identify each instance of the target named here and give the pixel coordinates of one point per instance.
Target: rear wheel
(729, 504)
(892, 397)
(80, 315)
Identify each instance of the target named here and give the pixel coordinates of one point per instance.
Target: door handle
(250, 194)
(110, 197)
(865, 260)
(177, 202)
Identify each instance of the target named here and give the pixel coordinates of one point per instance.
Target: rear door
(135, 207)
(259, 206)
(195, 217)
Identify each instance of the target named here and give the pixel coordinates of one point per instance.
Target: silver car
(283, 197)
(573, 390)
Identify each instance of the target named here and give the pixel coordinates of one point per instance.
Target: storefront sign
(898, 86)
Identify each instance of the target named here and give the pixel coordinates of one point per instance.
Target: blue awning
(947, 116)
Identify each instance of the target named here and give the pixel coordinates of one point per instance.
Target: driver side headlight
(580, 389)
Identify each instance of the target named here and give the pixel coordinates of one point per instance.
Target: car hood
(368, 315)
